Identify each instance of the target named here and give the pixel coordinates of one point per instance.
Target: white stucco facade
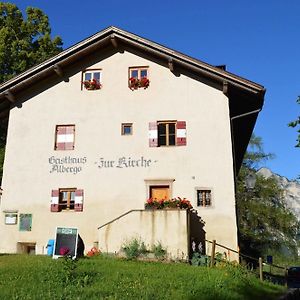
(115, 171)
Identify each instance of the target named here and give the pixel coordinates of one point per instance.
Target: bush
(159, 251)
(200, 260)
(134, 248)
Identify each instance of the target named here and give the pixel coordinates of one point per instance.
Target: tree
(295, 124)
(24, 42)
(265, 224)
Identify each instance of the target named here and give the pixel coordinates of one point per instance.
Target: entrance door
(160, 192)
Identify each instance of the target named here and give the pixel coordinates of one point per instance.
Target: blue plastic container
(50, 247)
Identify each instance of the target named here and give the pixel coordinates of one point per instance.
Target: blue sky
(258, 40)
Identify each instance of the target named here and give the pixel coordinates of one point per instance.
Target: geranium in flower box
(144, 82)
(135, 83)
(92, 84)
(179, 203)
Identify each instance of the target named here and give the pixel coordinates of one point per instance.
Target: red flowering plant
(135, 83)
(180, 203)
(93, 84)
(144, 82)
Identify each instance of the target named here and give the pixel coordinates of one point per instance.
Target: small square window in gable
(138, 78)
(126, 129)
(91, 80)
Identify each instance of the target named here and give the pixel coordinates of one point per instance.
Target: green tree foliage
(255, 154)
(24, 42)
(295, 124)
(265, 224)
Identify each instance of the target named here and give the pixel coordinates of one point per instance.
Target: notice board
(65, 242)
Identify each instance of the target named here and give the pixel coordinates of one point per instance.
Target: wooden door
(160, 192)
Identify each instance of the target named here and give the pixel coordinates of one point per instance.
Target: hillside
(291, 190)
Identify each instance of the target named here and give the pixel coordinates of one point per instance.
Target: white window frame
(92, 72)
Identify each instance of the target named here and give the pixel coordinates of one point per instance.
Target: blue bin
(50, 247)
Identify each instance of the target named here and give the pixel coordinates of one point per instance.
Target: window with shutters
(65, 199)
(203, 197)
(64, 137)
(167, 133)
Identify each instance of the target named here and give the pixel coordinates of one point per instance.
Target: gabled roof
(244, 96)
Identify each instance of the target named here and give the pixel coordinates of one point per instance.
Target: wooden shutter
(60, 138)
(65, 136)
(79, 200)
(55, 201)
(181, 133)
(153, 134)
(69, 137)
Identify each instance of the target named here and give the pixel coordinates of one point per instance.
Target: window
(25, 222)
(126, 129)
(64, 137)
(91, 79)
(167, 133)
(66, 199)
(203, 198)
(138, 77)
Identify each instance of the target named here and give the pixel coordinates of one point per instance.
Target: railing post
(213, 252)
(260, 261)
(286, 276)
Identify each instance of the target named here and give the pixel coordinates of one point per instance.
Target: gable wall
(205, 162)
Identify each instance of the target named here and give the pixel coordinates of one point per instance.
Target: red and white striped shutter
(69, 137)
(153, 134)
(181, 133)
(60, 137)
(79, 200)
(55, 200)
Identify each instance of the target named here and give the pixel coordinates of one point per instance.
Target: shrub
(200, 260)
(134, 248)
(159, 251)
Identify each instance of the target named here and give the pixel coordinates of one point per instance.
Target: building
(98, 129)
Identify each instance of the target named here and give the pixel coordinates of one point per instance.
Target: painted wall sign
(11, 218)
(125, 162)
(67, 164)
(74, 165)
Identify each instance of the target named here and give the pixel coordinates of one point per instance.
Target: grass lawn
(40, 277)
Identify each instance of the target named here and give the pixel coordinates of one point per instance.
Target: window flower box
(135, 83)
(93, 84)
(175, 203)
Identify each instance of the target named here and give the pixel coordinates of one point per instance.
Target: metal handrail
(119, 217)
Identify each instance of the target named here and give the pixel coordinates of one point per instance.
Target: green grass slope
(40, 277)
